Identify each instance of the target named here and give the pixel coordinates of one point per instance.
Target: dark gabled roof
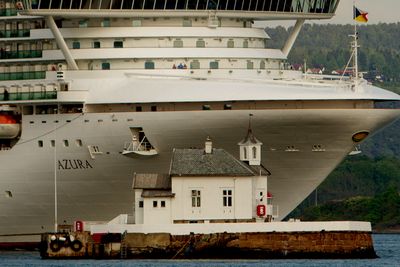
(195, 162)
(151, 181)
(157, 193)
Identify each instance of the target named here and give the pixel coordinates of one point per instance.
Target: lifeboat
(9, 127)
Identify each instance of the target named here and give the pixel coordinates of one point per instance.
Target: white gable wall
(138, 211)
(211, 189)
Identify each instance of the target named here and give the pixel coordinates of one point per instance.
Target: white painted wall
(212, 198)
(157, 215)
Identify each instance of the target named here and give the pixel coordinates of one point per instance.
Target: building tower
(250, 148)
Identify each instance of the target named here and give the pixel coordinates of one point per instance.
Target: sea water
(386, 246)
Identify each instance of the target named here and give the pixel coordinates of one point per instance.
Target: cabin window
(200, 43)
(76, 45)
(196, 198)
(195, 64)
(149, 65)
(139, 109)
(245, 44)
(250, 65)
(231, 44)
(187, 23)
(162, 203)
(105, 23)
(136, 23)
(214, 65)
(28, 110)
(178, 43)
(105, 66)
(227, 198)
(141, 204)
(262, 65)
(83, 24)
(118, 44)
(227, 107)
(155, 204)
(153, 108)
(96, 44)
(206, 107)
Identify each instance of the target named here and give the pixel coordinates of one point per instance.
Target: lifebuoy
(76, 245)
(55, 246)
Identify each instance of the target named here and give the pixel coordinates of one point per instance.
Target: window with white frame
(196, 198)
(227, 197)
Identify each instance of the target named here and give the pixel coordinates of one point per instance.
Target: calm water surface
(386, 246)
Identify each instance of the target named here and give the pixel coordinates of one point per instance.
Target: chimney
(208, 146)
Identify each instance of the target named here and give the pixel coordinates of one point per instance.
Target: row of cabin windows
(177, 44)
(78, 143)
(150, 65)
(138, 108)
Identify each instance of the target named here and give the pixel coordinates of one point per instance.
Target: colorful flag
(360, 16)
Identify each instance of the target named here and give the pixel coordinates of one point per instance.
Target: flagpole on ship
(355, 44)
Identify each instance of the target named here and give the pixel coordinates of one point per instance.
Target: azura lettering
(74, 164)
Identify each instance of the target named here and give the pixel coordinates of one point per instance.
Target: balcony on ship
(253, 8)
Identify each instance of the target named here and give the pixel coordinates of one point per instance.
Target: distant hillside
(329, 46)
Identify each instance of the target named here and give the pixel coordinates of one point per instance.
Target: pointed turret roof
(250, 139)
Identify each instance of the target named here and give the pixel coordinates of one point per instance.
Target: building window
(105, 66)
(245, 153)
(141, 204)
(96, 44)
(66, 143)
(149, 65)
(118, 44)
(196, 199)
(76, 45)
(79, 142)
(254, 152)
(40, 143)
(214, 65)
(162, 204)
(155, 204)
(53, 143)
(227, 198)
(200, 43)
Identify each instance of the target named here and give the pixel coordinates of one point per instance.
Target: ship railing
(270, 6)
(135, 146)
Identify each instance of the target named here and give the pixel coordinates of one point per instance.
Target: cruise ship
(92, 91)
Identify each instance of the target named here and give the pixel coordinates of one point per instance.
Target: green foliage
(382, 211)
(329, 46)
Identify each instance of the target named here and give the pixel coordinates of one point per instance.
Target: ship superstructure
(93, 91)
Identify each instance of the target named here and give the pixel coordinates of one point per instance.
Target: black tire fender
(76, 245)
(55, 246)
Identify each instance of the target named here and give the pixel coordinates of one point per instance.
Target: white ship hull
(102, 189)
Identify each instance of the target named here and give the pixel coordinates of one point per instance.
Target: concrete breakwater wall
(221, 246)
